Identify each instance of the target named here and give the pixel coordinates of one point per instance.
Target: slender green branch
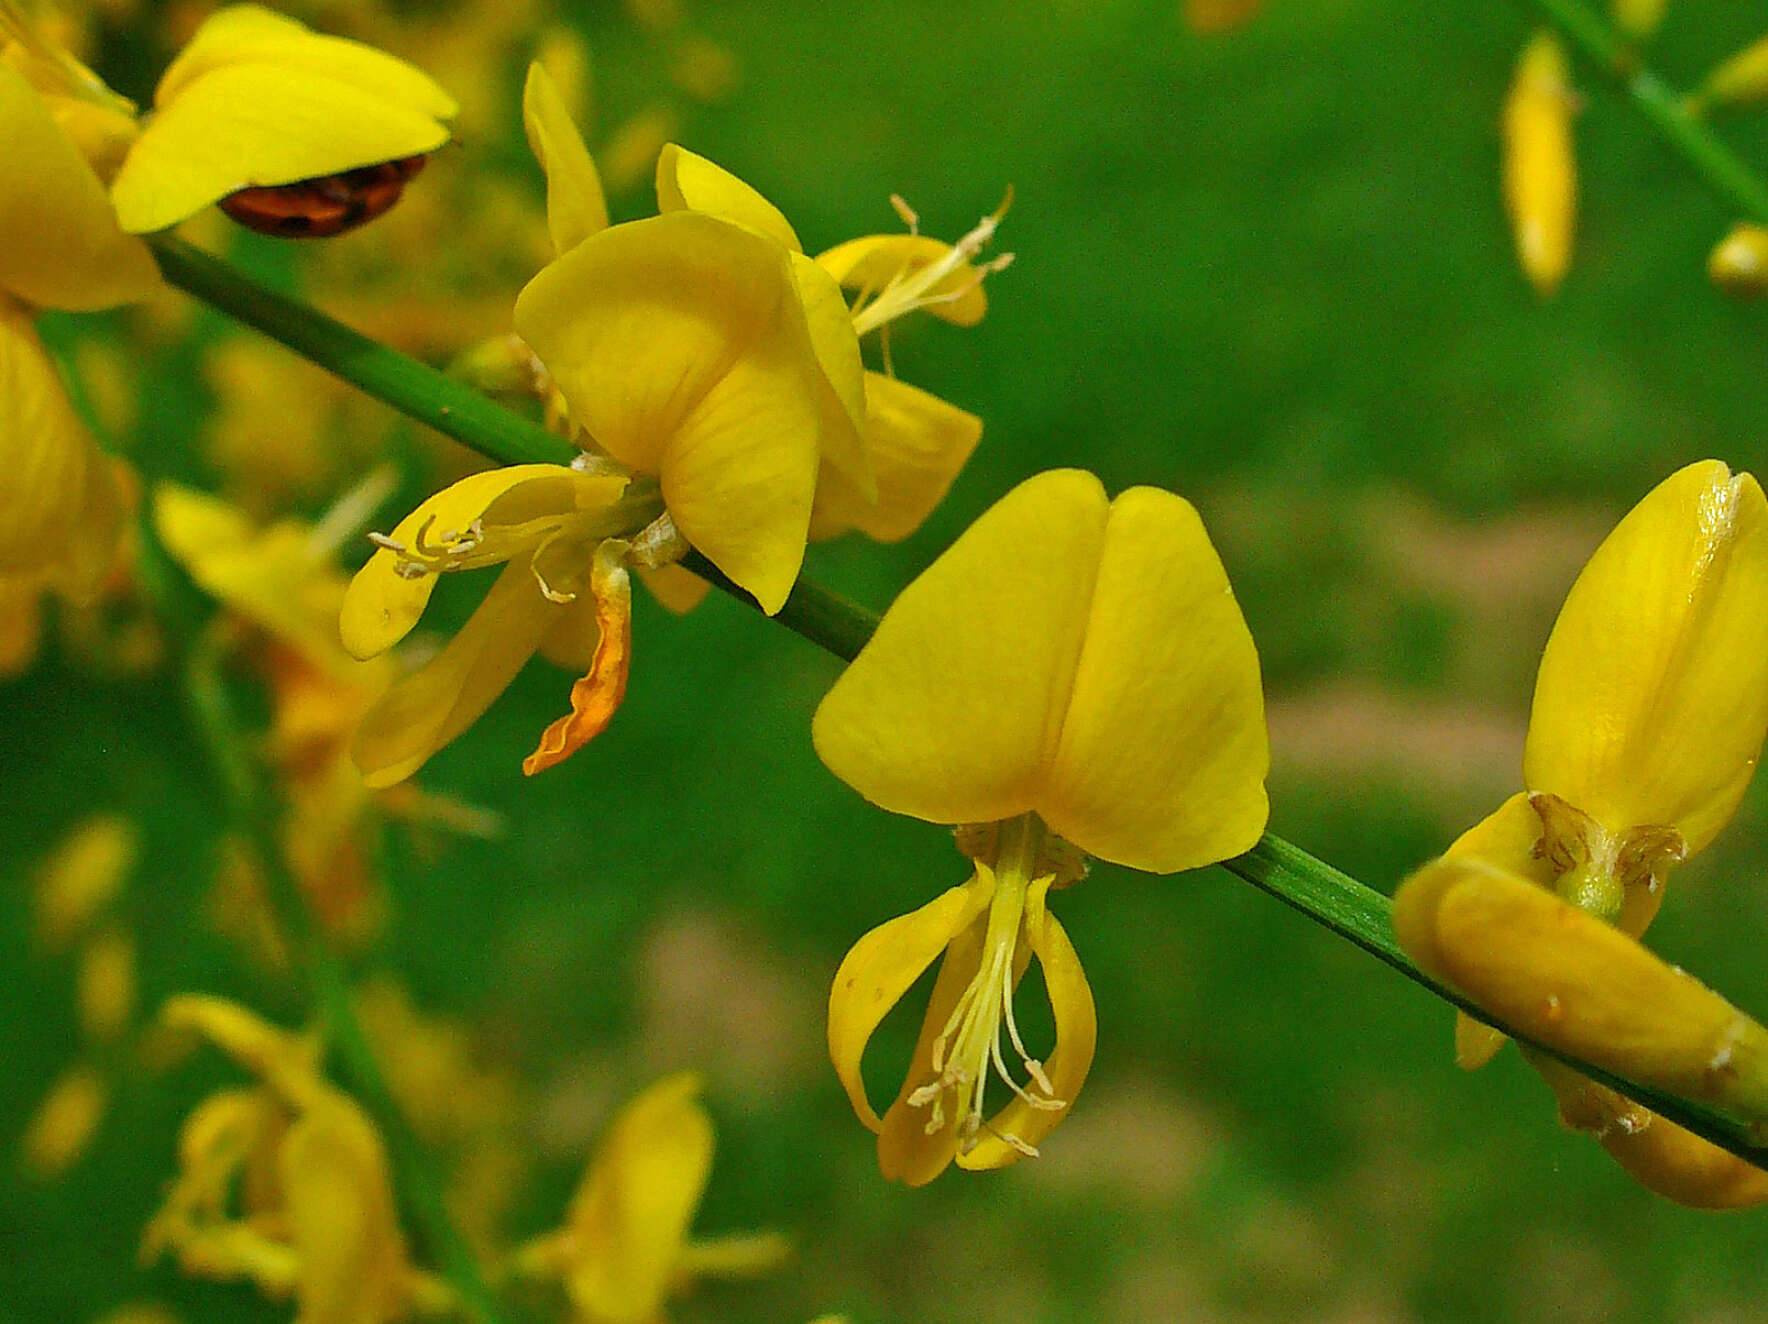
(414, 389)
(1326, 896)
(252, 811)
(1723, 171)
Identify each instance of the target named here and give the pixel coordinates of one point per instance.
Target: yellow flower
(60, 247)
(1072, 676)
(1738, 264)
(1540, 172)
(679, 349)
(909, 444)
(256, 100)
(306, 1168)
(1649, 713)
(625, 1247)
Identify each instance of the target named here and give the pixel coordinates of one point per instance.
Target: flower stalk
(1328, 897)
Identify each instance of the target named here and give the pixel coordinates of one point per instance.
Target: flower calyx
(1598, 869)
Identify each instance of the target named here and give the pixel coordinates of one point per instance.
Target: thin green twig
(1332, 899)
(1723, 171)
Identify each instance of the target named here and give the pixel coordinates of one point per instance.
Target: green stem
(253, 812)
(1326, 896)
(413, 388)
(1718, 166)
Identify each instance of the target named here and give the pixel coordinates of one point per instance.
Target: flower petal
(60, 245)
(1506, 840)
(1572, 983)
(630, 1217)
(382, 604)
(917, 444)
(287, 1062)
(269, 577)
(952, 710)
(907, 1151)
(881, 968)
(341, 1219)
(1661, 1156)
(251, 34)
(691, 182)
(837, 354)
(681, 346)
(254, 124)
(422, 712)
(575, 206)
(45, 452)
(1652, 699)
(871, 262)
(597, 695)
(1077, 1034)
(1163, 755)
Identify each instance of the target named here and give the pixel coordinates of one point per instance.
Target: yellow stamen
(969, 1044)
(909, 290)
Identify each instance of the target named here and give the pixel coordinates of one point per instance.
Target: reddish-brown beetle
(328, 205)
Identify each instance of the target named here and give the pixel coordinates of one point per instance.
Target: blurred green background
(1267, 270)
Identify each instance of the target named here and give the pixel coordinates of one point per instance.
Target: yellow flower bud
(64, 1124)
(1540, 173)
(81, 876)
(1740, 81)
(1738, 265)
(1639, 18)
(107, 985)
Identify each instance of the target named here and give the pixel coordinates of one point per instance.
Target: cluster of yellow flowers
(1072, 679)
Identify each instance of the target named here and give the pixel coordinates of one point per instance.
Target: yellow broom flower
(1649, 714)
(625, 1246)
(1072, 676)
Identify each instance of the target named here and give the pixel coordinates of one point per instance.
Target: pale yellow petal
(575, 206)
(424, 711)
(60, 245)
(1652, 699)
(249, 125)
(884, 965)
(1077, 1034)
(953, 710)
(691, 182)
(630, 1217)
(681, 346)
(917, 443)
(45, 452)
(1163, 755)
(251, 34)
(382, 603)
(869, 264)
